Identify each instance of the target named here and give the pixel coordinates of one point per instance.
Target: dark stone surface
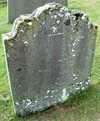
(49, 56)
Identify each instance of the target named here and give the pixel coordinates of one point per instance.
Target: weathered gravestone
(49, 56)
(18, 7)
(1, 1)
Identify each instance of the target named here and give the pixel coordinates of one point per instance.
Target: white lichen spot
(54, 29)
(56, 82)
(74, 44)
(51, 95)
(64, 94)
(80, 83)
(74, 18)
(63, 9)
(19, 85)
(88, 82)
(28, 104)
(29, 23)
(75, 78)
(43, 23)
(40, 70)
(78, 40)
(53, 6)
(16, 103)
(73, 85)
(82, 37)
(46, 96)
(55, 16)
(48, 91)
(77, 83)
(58, 22)
(36, 102)
(28, 100)
(89, 25)
(60, 61)
(58, 78)
(74, 75)
(50, 12)
(23, 101)
(25, 42)
(22, 31)
(73, 50)
(85, 17)
(47, 51)
(53, 91)
(11, 44)
(77, 88)
(89, 79)
(83, 88)
(73, 55)
(67, 16)
(34, 35)
(52, 16)
(60, 15)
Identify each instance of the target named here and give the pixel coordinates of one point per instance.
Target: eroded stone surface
(49, 56)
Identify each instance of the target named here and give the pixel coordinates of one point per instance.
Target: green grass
(85, 106)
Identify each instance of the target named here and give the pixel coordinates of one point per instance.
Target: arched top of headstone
(47, 8)
(34, 17)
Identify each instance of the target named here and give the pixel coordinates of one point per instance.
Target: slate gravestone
(18, 7)
(49, 57)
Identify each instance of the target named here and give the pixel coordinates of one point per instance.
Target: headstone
(19, 7)
(49, 57)
(3, 1)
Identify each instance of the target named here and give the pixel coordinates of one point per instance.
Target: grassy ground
(82, 107)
